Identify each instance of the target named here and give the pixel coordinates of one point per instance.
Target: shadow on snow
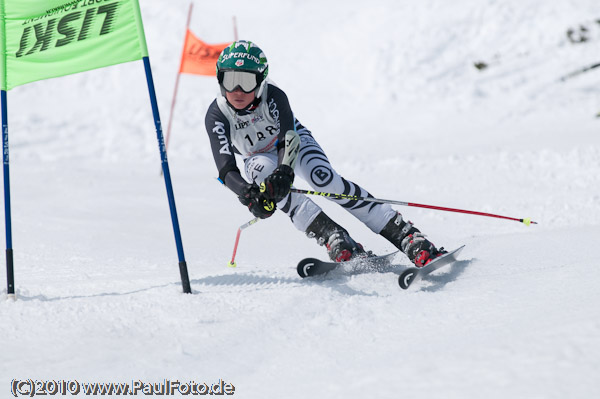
(445, 275)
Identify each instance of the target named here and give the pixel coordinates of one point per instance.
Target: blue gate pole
(185, 280)
(10, 276)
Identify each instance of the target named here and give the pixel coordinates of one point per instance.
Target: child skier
(251, 117)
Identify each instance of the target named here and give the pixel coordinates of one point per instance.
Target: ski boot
(340, 246)
(407, 238)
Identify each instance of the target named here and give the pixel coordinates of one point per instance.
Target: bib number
(260, 136)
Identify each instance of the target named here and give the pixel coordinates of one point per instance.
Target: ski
(309, 267)
(414, 274)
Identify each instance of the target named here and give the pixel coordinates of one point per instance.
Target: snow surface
(390, 91)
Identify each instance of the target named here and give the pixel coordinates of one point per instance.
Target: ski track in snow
(390, 92)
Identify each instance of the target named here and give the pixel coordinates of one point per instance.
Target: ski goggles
(247, 81)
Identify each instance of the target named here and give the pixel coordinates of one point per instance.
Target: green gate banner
(41, 39)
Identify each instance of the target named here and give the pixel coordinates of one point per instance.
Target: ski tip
(406, 278)
(305, 267)
(231, 264)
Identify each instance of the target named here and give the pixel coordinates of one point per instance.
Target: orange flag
(200, 58)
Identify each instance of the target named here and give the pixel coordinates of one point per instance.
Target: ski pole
(526, 221)
(237, 240)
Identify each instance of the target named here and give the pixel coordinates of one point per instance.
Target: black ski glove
(277, 185)
(256, 201)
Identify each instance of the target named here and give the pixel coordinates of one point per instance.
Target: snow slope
(390, 91)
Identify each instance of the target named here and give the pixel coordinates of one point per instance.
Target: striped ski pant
(313, 167)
